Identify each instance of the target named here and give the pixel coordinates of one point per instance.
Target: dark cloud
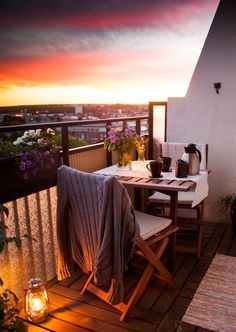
(94, 13)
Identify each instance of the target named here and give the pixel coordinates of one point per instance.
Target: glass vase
(141, 154)
(124, 160)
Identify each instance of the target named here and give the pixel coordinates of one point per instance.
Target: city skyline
(99, 52)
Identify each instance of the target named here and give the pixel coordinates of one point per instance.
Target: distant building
(78, 109)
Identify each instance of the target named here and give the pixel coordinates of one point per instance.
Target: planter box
(12, 186)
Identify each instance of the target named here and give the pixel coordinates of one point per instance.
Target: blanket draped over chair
(101, 242)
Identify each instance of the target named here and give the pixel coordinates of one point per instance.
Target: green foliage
(74, 142)
(8, 311)
(7, 149)
(227, 204)
(8, 299)
(4, 239)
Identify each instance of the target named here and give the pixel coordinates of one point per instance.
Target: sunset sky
(99, 51)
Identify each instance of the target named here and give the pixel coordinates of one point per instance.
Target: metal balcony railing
(35, 214)
(16, 191)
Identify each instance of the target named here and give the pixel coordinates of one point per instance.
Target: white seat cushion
(150, 225)
(185, 197)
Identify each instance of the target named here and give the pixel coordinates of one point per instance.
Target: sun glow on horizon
(79, 95)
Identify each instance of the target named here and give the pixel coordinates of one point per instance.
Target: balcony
(160, 309)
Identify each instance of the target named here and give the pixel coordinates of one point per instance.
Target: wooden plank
(232, 251)
(135, 179)
(70, 280)
(184, 327)
(212, 246)
(226, 241)
(53, 324)
(79, 283)
(167, 182)
(86, 298)
(165, 301)
(155, 289)
(35, 328)
(182, 301)
(172, 320)
(144, 180)
(63, 296)
(71, 315)
(124, 178)
(187, 184)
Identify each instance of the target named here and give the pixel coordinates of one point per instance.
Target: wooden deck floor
(159, 310)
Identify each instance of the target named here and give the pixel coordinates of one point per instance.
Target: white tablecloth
(139, 170)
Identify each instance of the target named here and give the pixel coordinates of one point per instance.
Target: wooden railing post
(150, 131)
(109, 154)
(65, 145)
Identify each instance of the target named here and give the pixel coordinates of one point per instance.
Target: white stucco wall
(205, 116)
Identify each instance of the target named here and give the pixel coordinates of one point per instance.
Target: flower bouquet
(123, 142)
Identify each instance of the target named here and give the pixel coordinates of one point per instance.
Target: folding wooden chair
(185, 199)
(155, 233)
(101, 218)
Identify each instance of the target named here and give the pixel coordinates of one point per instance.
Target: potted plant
(8, 299)
(227, 205)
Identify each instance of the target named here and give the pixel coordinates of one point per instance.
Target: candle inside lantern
(36, 304)
(36, 301)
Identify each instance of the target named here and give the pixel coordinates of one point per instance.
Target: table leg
(173, 216)
(137, 199)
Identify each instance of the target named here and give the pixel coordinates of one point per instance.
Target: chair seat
(150, 225)
(183, 198)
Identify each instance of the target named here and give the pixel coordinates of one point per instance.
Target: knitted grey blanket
(96, 228)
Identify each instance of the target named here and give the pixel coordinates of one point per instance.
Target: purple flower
(23, 156)
(128, 133)
(22, 166)
(46, 153)
(28, 163)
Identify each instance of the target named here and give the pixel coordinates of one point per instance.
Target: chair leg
(87, 284)
(199, 240)
(154, 264)
(155, 261)
(148, 272)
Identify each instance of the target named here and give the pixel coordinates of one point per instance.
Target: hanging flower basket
(13, 184)
(31, 165)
